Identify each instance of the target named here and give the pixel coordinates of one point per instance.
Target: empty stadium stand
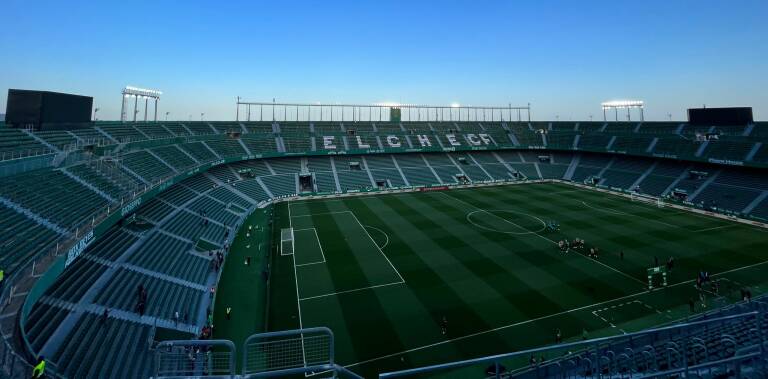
(192, 184)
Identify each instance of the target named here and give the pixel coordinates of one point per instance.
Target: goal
(286, 241)
(659, 201)
(656, 272)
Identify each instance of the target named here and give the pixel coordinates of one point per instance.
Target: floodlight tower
(138, 93)
(623, 104)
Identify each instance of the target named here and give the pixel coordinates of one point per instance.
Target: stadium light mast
(615, 105)
(138, 93)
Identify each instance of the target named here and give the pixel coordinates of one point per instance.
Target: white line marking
(382, 232)
(527, 231)
(310, 263)
(352, 290)
(321, 213)
(318, 244)
(629, 214)
(499, 217)
(296, 281)
(551, 241)
(377, 246)
(714, 228)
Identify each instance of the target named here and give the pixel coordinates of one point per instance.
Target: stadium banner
(435, 188)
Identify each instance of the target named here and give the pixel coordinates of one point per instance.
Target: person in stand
(104, 316)
(39, 370)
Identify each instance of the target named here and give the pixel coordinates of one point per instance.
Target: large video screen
(61, 107)
(720, 116)
(27, 107)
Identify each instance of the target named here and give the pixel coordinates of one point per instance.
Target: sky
(563, 57)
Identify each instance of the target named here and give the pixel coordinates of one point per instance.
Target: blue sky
(564, 57)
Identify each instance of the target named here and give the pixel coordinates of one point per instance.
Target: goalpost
(659, 201)
(655, 272)
(286, 241)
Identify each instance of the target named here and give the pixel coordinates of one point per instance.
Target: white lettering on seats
(362, 144)
(328, 142)
(393, 141)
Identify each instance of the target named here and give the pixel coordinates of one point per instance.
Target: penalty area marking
(597, 312)
(401, 281)
(382, 232)
(318, 244)
(611, 211)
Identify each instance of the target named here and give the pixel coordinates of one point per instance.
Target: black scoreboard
(27, 108)
(720, 116)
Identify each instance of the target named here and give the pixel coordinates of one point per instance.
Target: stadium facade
(92, 213)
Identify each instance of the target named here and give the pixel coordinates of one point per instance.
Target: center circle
(492, 220)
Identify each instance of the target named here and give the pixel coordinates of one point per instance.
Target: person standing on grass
(691, 305)
(444, 325)
(558, 336)
(584, 334)
(229, 313)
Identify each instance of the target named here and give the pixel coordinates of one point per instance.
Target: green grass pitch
(383, 271)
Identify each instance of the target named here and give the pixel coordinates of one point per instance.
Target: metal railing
(594, 358)
(291, 352)
(195, 358)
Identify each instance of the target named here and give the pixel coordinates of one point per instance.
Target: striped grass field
(384, 271)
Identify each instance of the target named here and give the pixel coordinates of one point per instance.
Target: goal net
(286, 241)
(658, 201)
(654, 272)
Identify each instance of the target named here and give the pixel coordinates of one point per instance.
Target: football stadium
(381, 239)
